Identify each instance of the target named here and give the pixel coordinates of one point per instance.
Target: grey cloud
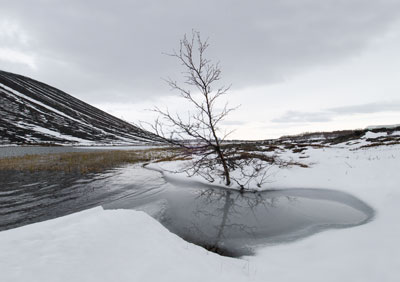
(100, 49)
(303, 117)
(331, 113)
(368, 108)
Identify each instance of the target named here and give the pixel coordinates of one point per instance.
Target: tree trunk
(225, 166)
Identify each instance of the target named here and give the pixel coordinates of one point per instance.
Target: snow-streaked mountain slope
(32, 112)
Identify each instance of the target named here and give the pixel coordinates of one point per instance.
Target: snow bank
(369, 252)
(108, 245)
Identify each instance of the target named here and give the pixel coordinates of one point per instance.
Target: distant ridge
(337, 136)
(390, 126)
(32, 112)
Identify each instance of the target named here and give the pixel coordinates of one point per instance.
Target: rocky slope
(32, 112)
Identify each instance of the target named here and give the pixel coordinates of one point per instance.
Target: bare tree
(198, 132)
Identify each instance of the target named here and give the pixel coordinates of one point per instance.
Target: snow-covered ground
(126, 245)
(369, 252)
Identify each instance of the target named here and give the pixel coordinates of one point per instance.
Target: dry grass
(176, 157)
(377, 144)
(84, 162)
(298, 150)
(250, 147)
(97, 161)
(268, 159)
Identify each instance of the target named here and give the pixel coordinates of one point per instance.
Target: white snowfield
(125, 245)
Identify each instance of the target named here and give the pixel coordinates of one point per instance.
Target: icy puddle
(235, 224)
(224, 221)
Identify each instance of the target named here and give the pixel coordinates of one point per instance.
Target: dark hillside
(32, 112)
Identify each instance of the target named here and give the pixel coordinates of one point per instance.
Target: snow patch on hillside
(18, 94)
(371, 134)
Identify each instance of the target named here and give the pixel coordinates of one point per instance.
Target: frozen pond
(224, 221)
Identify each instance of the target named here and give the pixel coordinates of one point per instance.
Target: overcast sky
(295, 66)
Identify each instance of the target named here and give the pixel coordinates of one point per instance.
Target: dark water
(17, 151)
(235, 224)
(223, 221)
(32, 197)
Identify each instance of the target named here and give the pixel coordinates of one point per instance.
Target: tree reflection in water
(233, 203)
(234, 224)
(223, 220)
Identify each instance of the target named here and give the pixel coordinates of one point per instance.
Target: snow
(371, 134)
(395, 133)
(57, 134)
(127, 245)
(369, 252)
(113, 245)
(33, 101)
